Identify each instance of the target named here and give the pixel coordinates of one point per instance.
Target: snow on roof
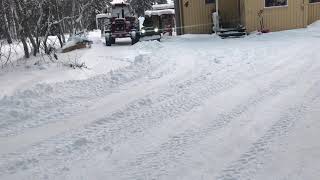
(98, 16)
(163, 6)
(119, 3)
(159, 12)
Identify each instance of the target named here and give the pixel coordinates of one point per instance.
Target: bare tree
(32, 22)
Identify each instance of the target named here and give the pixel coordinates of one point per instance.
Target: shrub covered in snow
(78, 41)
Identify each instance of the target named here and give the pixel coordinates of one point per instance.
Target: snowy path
(191, 107)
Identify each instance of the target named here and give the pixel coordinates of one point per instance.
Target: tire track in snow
(172, 106)
(156, 163)
(97, 134)
(131, 108)
(171, 151)
(251, 161)
(47, 103)
(107, 129)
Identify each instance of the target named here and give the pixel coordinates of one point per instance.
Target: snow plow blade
(151, 38)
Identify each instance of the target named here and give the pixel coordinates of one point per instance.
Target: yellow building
(195, 16)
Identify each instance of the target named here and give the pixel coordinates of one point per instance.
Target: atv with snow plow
(151, 28)
(122, 24)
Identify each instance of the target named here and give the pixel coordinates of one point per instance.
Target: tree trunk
(15, 34)
(63, 38)
(33, 42)
(60, 25)
(7, 35)
(73, 17)
(25, 47)
(6, 31)
(46, 39)
(60, 40)
(6, 23)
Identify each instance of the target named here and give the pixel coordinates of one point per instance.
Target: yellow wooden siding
(275, 18)
(229, 12)
(196, 17)
(242, 12)
(313, 12)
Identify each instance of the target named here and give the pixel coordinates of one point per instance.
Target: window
(272, 3)
(210, 1)
(314, 1)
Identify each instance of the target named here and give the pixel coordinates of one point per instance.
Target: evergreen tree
(140, 6)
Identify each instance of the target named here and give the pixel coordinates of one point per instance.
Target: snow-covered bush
(75, 63)
(77, 42)
(6, 51)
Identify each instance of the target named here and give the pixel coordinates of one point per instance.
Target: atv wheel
(108, 42)
(133, 41)
(113, 40)
(135, 37)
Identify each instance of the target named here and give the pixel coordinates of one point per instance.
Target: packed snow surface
(188, 107)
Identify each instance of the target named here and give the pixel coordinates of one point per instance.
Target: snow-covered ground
(189, 107)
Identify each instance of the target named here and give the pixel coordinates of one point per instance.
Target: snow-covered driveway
(190, 107)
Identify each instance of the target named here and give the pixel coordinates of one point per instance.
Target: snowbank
(99, 59)
(149, 45)
(315, 25)
(115, 2)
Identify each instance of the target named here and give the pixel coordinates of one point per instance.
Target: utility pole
(216, 18)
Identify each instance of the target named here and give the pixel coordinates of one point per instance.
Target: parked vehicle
(167, 17)
(122, 24)
(163, 16)
(151, 28)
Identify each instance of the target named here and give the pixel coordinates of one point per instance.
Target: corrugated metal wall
(196, 16)
(313, 12)
(275, 18)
